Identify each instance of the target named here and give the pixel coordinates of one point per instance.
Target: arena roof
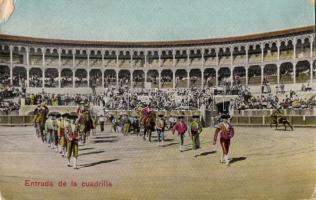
(147, 20)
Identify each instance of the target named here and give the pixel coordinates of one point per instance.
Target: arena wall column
(262, 74)
(202, 59)
(131, 53)
(117, 77)
(231, 75)
(159, 79)
(174, 79)
(73, 78)
(173, 60)
(145, 61)
(73, 57)
(43, 77)
(294, 72)
(247, 49)
(311, 50)
(217, 58)
(117, 58)
(246, 69)
(11, 63)
(278, 74)
(231, 56)
(28, 77)
(311, 71)
(262, 53)
(59, 78)
(188, 78)
(278, 46)
(159, 60)
(88, 57)
(294, 48)
(188, 57)
(88, 77)
(202, 78)
(102, 57)
(102, 77)
(216, 74)
(59, 57)
(43, 56)
(132, 77)
(27, 56)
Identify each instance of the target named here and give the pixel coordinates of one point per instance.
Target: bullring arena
(101, 96)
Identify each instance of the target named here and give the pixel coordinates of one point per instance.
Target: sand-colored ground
(267, 164)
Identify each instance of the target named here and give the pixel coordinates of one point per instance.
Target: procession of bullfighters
(124, 100)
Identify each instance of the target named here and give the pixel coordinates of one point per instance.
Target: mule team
(63, 132)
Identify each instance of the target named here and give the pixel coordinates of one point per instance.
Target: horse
(276, 120)
(149, 125)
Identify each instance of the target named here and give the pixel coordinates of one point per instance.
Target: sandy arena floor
(267, 164)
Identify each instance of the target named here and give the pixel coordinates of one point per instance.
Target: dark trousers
(102, 126)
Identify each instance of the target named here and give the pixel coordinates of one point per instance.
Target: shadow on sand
(233, 160)
(93, 152)
(103, 141)
(97, 163)
(105, 137)
(89, 148)
(207, 153)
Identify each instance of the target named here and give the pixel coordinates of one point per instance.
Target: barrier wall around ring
(296, 120)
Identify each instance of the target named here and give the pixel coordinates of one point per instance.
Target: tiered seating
(254, 58)
(303, 53)
(225, 60)
(286, 55)
(51, 61)
(66, 61)
(5, 58)
(36, 60)
(124, 63)
(94, 62)
(153, 63)
(110, 63)
(240, 59)
(182, 83)
(210, 61)
(81, 62)
(139, 63)
(16, 59)
(196, 62)
(181, 63)
(271, 56)
(255, 80)
(166, 63)
(286, 78)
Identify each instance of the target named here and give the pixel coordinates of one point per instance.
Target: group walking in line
(63, 132)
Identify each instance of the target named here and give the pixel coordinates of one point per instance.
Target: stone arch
(124, 78)
(239, 75)
(270, 74)
(166, 78)
(303, 71)
(36, 77)
(109, 78)
(254, 75)
(19, 76)
(138, 79)
(81, 78)
(195, 78)
(66, 78)
(209, 77)
(153, 78)
(181, 77)
(286, 73)
(95, 78)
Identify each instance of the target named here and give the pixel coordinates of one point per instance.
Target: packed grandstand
(262, 71)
